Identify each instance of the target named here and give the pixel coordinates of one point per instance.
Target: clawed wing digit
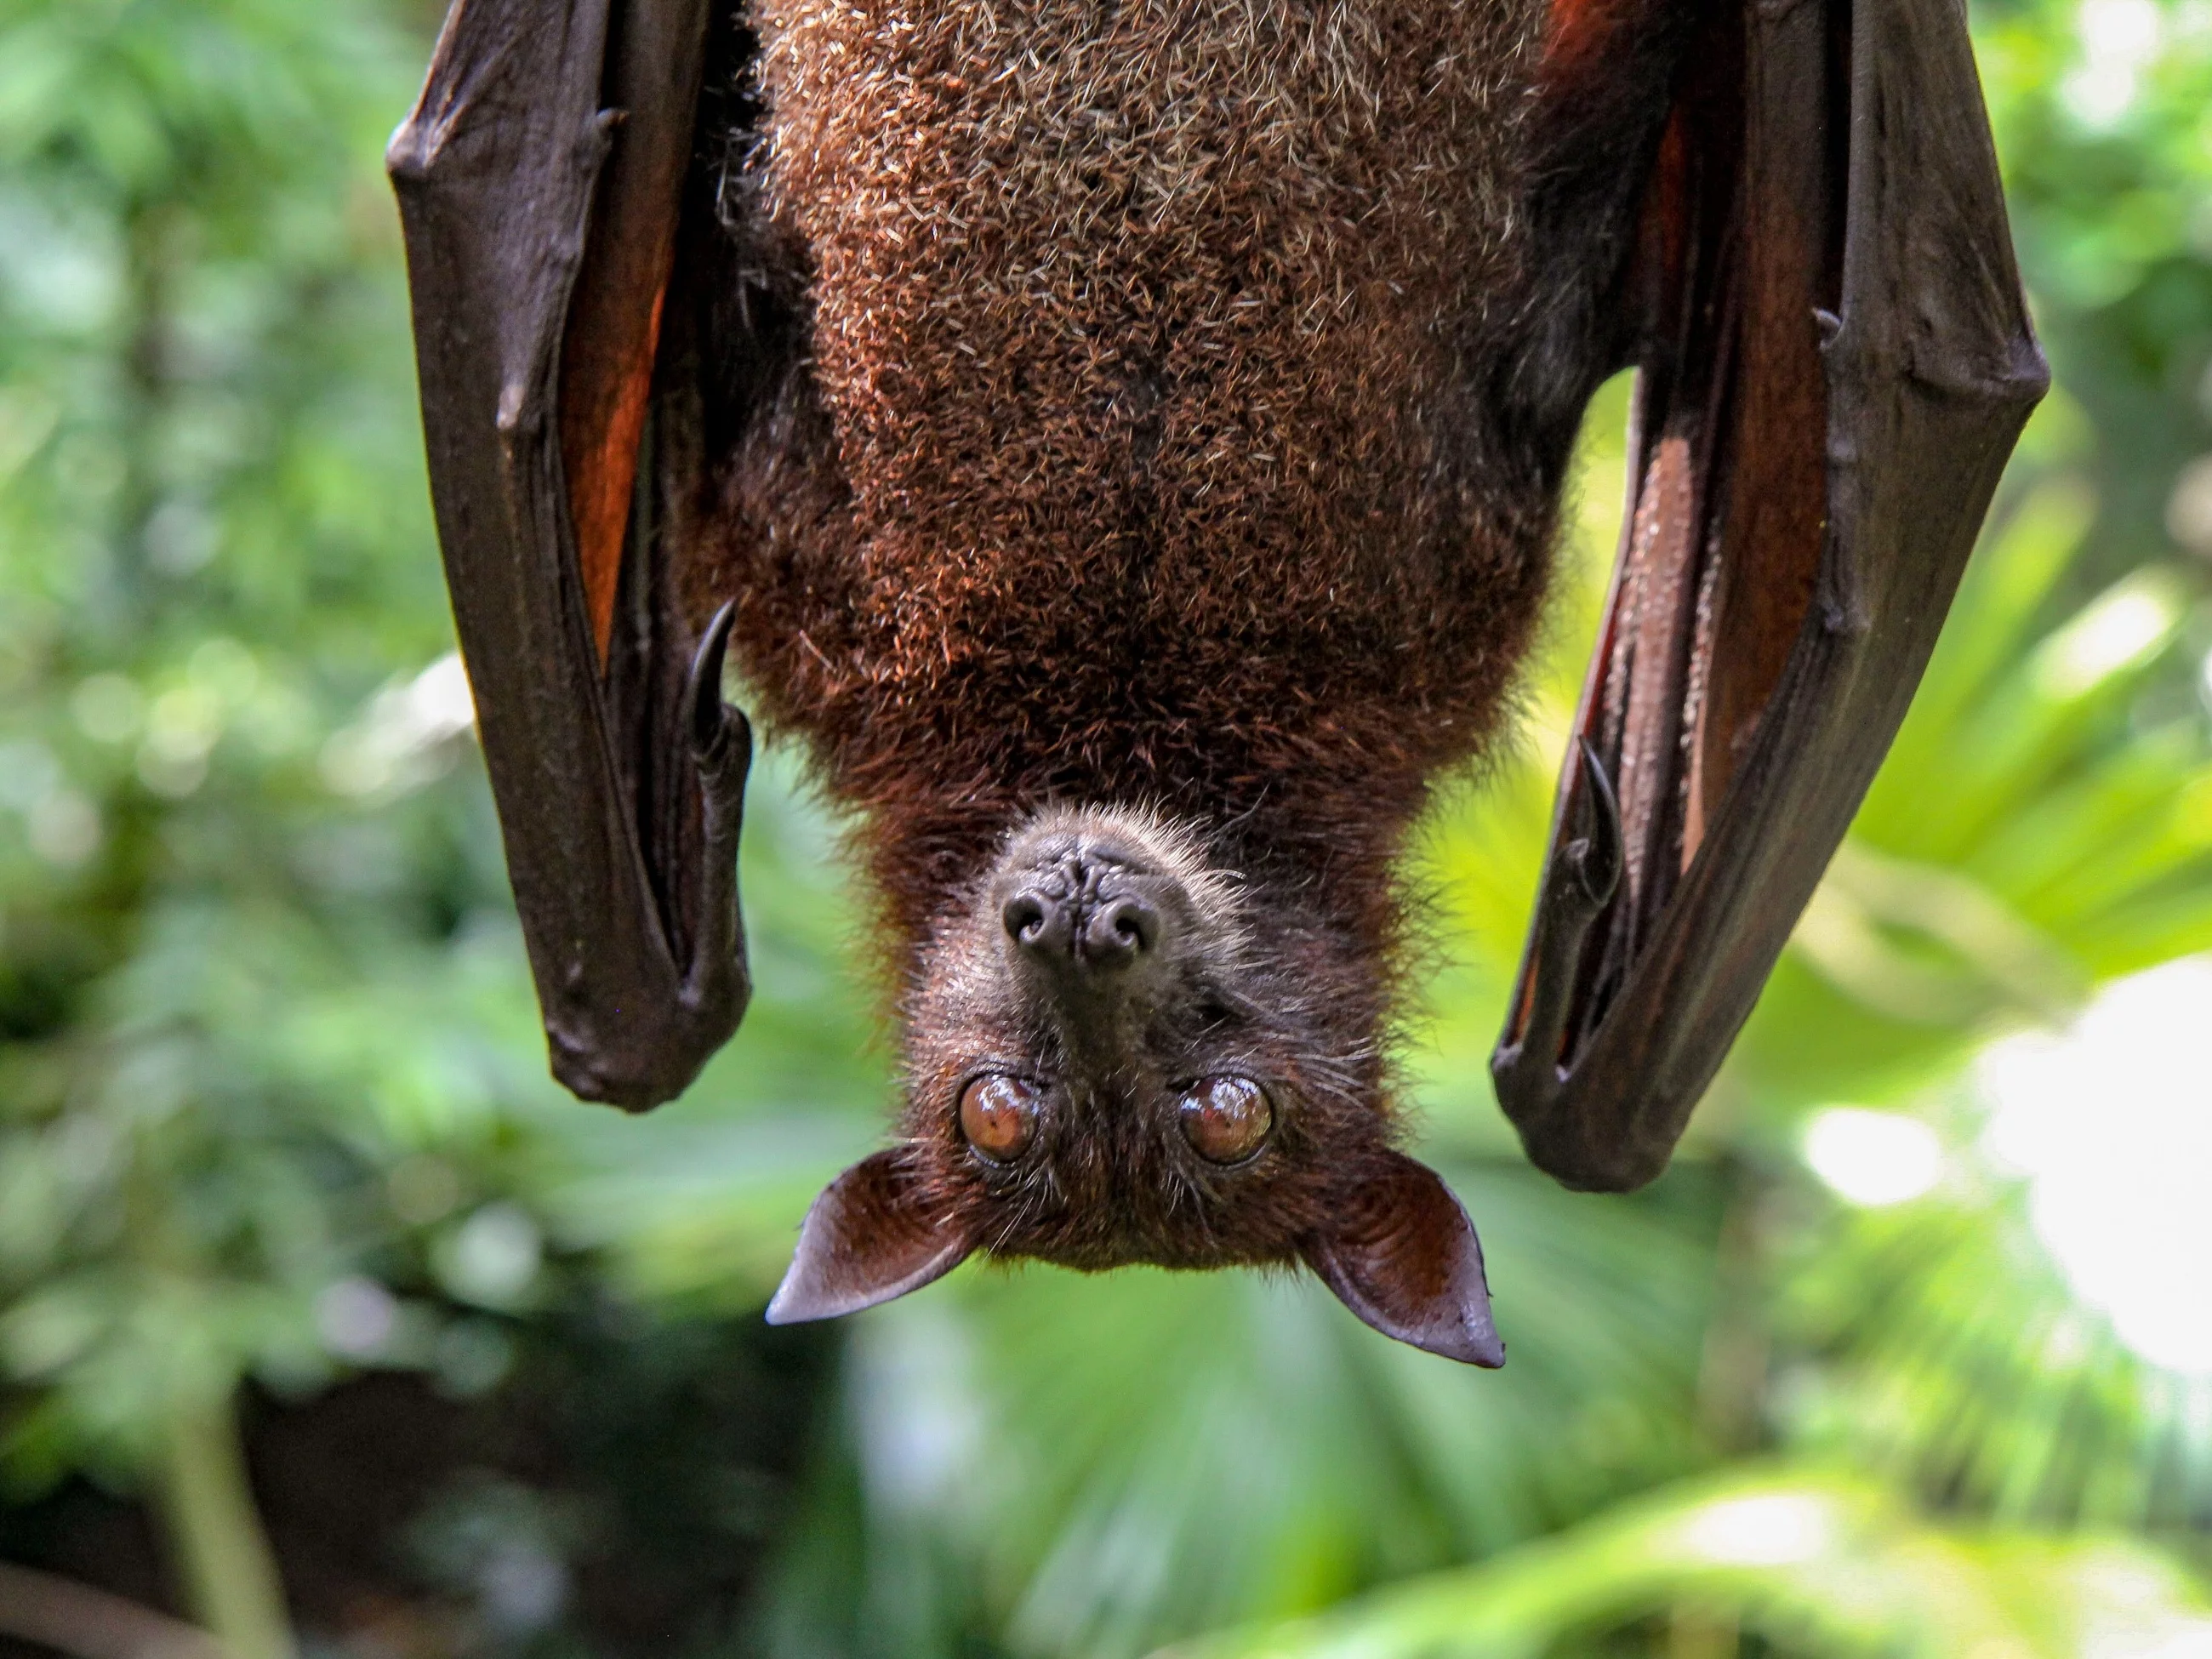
(545, 178)
(1835, 363)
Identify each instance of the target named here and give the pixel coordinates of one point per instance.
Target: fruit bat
(1121, 442)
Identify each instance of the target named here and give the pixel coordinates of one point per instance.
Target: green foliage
(210, 495)
(1810, 1561)
(1115, 1461)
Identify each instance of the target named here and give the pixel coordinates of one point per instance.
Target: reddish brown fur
(1134, 370)
(1147, 444)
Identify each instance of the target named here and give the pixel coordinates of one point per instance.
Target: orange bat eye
(998, 1116)
(1225, 1119)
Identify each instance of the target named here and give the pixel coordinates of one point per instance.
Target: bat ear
(866, 1240)
(1403, 1256)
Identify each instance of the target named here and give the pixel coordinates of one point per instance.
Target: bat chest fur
(1137, 448)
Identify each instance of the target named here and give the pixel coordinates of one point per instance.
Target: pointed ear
(866, 1241)
(1402, 1256)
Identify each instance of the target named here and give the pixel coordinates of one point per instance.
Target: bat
(1121, 441)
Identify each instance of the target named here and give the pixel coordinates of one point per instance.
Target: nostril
(1135, 923)
(1024, 916)
(1120, 932)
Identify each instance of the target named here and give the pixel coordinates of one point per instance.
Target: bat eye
(998, 1116)
(1225, 1119)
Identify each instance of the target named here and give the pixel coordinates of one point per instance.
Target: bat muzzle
(1089, 917)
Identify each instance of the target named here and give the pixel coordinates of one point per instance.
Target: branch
(90, 1624)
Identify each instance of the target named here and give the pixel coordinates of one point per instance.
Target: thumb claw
(1528, 1065)
(721, 737)
(721, 743)
(1599, 853)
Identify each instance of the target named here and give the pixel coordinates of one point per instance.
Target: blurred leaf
(1138, 1455)
(1818, 1563)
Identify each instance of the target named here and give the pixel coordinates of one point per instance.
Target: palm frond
(1818, 1563)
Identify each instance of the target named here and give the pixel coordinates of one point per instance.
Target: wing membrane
(542, 180)
(1836, 363)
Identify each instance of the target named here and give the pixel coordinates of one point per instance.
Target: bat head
(1120, 1052)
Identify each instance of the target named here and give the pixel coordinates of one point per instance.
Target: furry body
(1172, 414)
(1138, 449)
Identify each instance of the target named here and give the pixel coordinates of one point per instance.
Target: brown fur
(1158, 429)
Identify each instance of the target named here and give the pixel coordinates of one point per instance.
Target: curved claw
(1578, 887)
(722, 744)
(721, 737)
(1598, 857)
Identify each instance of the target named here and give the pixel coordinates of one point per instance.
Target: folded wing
(1835, 363)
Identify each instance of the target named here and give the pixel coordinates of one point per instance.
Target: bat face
(1121, 1052)
(1117, 1055)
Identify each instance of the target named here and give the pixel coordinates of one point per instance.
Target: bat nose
(1097, 932)
(1040, 923)
(1116, 934)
